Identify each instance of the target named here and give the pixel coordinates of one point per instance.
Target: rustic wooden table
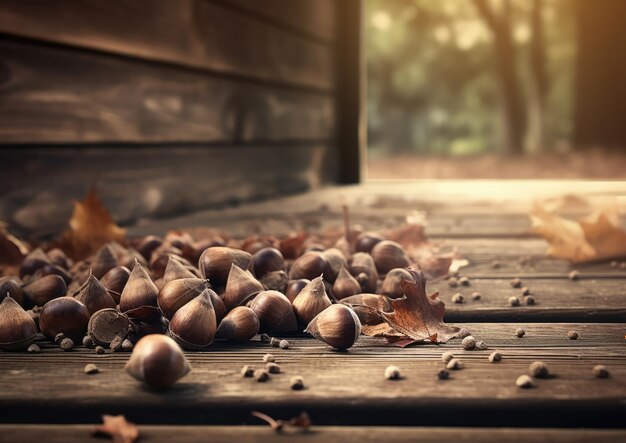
(346, 391)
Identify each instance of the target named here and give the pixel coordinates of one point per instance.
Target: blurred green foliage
(432, 81)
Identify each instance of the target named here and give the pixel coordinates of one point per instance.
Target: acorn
(363, 263)
(103, 261)
(193, 326)
(131, 257)
(175, 270)
(52, 269)
(177, 293)
(160, 259)
(64, 315)
(309, 265)
(267, 260)
(58, 257)
(294, 287)
(148, 245)
(33, 261)
(115, 280)
(392, 285)
(39, 292)
(240, 324)
(94, 295)
(360, 303)
(337, 325)
(17, 328)
(157, 361)
(139, 297)
(367, 240)
(335, 260)
(240, 288)
(275, 281)
(311, 301)
(388, 255)
(215, 263)
(274, 311)
(345, 285)
(11, 286)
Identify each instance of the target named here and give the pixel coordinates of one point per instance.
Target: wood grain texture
(317, 434)
(342, 387)
(316, 18)
(52, 95)
(39, 185)
(194, 33)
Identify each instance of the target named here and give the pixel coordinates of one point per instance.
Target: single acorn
(363, 263)
(388, 255)
(240, 324)
(11, 286)
(58, 257)
(267, 260)
(392, 285)
(148, 245)
(17, 328)
(103, 261)
(294, 287)
(367, 240)
(139, 297)
(364, 306)
(177, 293)
(309, 265)
(40, 291)
(275, 281)
(335, 261)
(274, 311)
(175, 270)
(240, 287)
(33, 261)
(52, 269)
(115, 280)
(64, 315)
(337, 325)
(215, 263)
(345, 285)
(132, 257)
(94, 295)
(157, 361)
(311, 301)
(194, 325)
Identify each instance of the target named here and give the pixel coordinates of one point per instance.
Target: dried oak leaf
(594, 238)
(417, 315)
(118, 428)
(12, 250)
(90, 227)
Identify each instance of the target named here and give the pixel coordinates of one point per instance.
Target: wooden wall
(170, 106)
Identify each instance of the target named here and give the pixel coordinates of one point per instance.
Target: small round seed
(91, 369)
(464, 281)
(524, 381)
(116, 343)
(525, 291)
(34, 348)
(520, 332)
(455, 364)
(495, 356)
(476, 295)
(274, 342)
(261, 375)
(453, 282)
(67, 344)
(99, 350)
(392, 373)
(272, 368)
(572, 335)
(268, 358)
(514, 301)
(539, 369)
(469, 343)
(88, 341)
(481, 345)
(457, 298)
(600, 371)
(59, 337)
(529, 300)
(463, 333)
(247, 371)
(516, 283)
(127, 345)
(442, 374)
(446, 357)
(296, 383)
(573, 275)
(283, 344)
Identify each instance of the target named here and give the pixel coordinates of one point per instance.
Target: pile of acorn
(152, 288)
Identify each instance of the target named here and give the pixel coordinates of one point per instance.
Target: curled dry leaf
(417, 315)
(118, 428)
(302, 421)
(593, 238)
(12, 250)
(90, 227)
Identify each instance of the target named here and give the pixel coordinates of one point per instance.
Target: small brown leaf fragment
(12, 250)
(118, 428)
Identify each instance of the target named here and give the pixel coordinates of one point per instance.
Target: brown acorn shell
(17, 328)
(338, 326)
(177, 293)
(240, 287)
(345, 285)
(215, 263)
(139, 297)
(94, 295)
(309, 265)
(240, 325)
(363, 263)
(194, 325)
(311, 301)
(157, 361)
(360, 302)
(274, 311)
(40, 291)
(388, 255)
(66, 315)
(392, 285)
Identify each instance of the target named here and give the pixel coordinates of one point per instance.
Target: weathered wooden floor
(347, 390)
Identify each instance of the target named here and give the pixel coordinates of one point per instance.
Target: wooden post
(350, 87)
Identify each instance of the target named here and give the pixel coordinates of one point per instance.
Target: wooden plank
(38, 190)
(193, 33)
(317, 434)
(345, 388)
(52, 95)
(312, 17)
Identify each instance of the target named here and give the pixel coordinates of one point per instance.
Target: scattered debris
(91, 369)
(469, 343)
(442, 374)
(455, 364)
(600, 371)
(67, 344)
(572, 335)
(446, 357)
(302, 421)
(524, 381)
(34, 348)
(516, 283)
(476, 296)
(261, 375)
(573, 275)
(296, 383)
(99, 350)
(247, 371)
(457, 298)
(539, 369)
(514, 301)
(118, 428)
(272, 368)
(520, 332)
(268, 358)
(392, 373)
(283, 344)
(481, 345)
(495, 357)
